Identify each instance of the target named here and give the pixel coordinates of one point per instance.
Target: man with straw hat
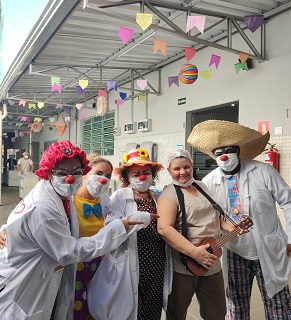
(246, 187)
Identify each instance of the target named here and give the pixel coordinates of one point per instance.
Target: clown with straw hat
(245, 187)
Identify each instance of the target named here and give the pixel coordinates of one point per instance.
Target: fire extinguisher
(272, 156)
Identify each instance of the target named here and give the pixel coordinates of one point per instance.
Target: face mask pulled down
(65, 189)
(97, 184)
(230, 164)
(143, 185)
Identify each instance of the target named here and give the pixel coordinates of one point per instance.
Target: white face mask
(229, 164)
(25, 157)
(141, 186)
(65, 189)
(94, 186)
(184, 185)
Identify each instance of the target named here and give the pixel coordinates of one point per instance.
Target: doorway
(203, 164)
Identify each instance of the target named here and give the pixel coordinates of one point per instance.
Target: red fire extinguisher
(272, 156)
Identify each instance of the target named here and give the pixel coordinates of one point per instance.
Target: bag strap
(180, 196)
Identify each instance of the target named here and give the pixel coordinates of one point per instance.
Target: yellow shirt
(87, 227)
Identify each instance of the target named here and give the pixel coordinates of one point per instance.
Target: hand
(289, 250)
(128, 223)
(154, 216)
(206, 259)
(2, 239)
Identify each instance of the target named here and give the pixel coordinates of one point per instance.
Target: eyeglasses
(63, 173)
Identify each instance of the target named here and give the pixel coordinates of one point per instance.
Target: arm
(19, 168)
(167, 210)
(31, 168)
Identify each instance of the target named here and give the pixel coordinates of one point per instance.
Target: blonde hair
(95, 158)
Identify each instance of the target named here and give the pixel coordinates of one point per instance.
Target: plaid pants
(241, 273)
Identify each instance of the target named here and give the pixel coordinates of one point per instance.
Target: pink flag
(79, 105)
(102, 92)
(214, 59)
(120, 102)
(125, 34)
(189, 53)
(195, 21)
(141, 83)
(56, 87)
(22, 103)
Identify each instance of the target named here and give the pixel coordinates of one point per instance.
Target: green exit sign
(181, 101)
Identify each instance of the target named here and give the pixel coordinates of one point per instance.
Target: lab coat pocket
(110, 294)
(13, 311)
(274, 249)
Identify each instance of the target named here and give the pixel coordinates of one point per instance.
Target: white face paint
(65, 189)
(230, 164)
(94, 185)
(141, 186)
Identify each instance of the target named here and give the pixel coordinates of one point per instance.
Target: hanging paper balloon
(61, 125)
(188, 73)
(101, 106)
(36, 127)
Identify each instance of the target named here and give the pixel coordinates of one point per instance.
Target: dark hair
(125, 179)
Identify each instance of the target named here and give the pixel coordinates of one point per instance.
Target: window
(98, 134)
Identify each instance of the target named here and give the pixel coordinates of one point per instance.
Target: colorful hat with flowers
(139, 157)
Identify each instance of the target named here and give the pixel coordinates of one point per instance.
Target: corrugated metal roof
(72, 42)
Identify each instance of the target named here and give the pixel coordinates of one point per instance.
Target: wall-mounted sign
(181, 101)
(263, 126)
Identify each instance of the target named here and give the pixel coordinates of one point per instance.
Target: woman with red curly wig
(37, 269)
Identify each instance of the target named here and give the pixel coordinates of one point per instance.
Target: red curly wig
(57, 151)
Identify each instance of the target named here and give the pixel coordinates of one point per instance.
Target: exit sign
(181, 101)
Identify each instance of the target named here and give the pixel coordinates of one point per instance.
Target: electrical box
(144, 125)
(130, 127)
(152, 149)
(130, 146)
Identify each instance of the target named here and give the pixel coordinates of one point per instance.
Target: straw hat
(212, 134)
(139, 157)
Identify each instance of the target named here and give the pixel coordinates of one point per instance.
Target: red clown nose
(143, 177)
(70, 179)
(224, 157)
(102, 181)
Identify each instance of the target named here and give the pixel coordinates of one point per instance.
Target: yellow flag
(31, 106)
(141, 98)
(144, 20)
(83, 83)
(40, 105)
(206, 74)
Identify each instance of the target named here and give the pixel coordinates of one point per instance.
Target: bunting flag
(122, 95)
(174, 79)
(22, 103)
(37, 119)
(120, 102)
(61, 125)
(31, 106)
(19, 124)
(83, 83)
(144, 20)
(59, 106)
(40, 105)
(111, 85)
(79, 105)
(206, 74)
(253, 23)
(83, 115)
(11, 102)
(160, 45)
(189, 53)
(141, 98)
(68, 119)
(51, 108)
(56, 80)
(79, 90)
(51, 119)
(68, 110)
(56, 87)
(23, 118)
(142, 83)
(125, 34)
(243, 56)
(102, 92)
(214, 60)
(241, 65)
(195, 21)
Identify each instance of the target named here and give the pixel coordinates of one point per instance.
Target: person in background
(202, 221)
(144, 250)
(245, 187)
(37, 270)
(90, 202)
(25, 164)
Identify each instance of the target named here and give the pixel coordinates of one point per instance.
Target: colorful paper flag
(125, 34)
(144, 20)
(22, 103)
(174, 79)
(206, 74)
(160, 45)
(79, 105)
(142, 83)
(102, 92)
(122, 95)
(111, 85)
(56, 87)
(59, 106)
(253, 22)
(40, 105)
(120, 102)
(11, 102)
(195, 21)
(243, 56)
(68, 110)
(214, 60)
(83, 83)
(241, 65)
(189, 53)
(79, 90)
(67, 118)
(51, 119)
(56, 80)
(141, 98)
(31, 106)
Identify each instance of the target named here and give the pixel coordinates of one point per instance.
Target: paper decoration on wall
(83, 83)
(195, 21)
(40, 105)
(31, 106)
(253, 22)
(36, 126)
(243, 56)
(120, 102)
(141, 98)
(206, 74)
(101, 106)
(56, 84)
(68, 110)
(111, 85)
(52, 119)
(67, 118)
(142, 83)
(51, 108)
(37, 119)
(174, 79)
(83, 115)
(189, 53)
(79, 90)
(79, 105)
(125, 34)
(59, 106)
(102, 92)
(18, 124)
(214, 60)
(61, 125)
(22, 103)
(241, 65)
(122, 95)
(144, 20)
(160, 45)
(23, 118)
(11, 102)
(188, 73)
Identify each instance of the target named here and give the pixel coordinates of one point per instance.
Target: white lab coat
(121, 205)
(38, 242)
(261, 186)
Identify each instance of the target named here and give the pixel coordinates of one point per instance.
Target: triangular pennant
(144, 20)
(40, 105)
(142, 83)
(79, 90)
(111, 85)
(189, 53)
(174, 79)
(102, 92)
(31, 106)
(56, 87)
(214, 60)
(68, 110)
(141, 98)
(206, 74)
(56, 80)
(122, 95)
(160, 45)
(83, 83)
(253, 22)
(79, 105)
(243, 56)
(125, 34)
(195, 21)
(59, 106)
(120, 102)
(22, 103)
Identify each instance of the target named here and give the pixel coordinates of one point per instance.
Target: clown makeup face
(66, 177)
(98, 178)
(140, 177)
(227, 158)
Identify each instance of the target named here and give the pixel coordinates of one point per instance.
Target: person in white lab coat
(245, 187)
(37, 270)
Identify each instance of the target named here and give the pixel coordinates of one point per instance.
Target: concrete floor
(10, 198)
